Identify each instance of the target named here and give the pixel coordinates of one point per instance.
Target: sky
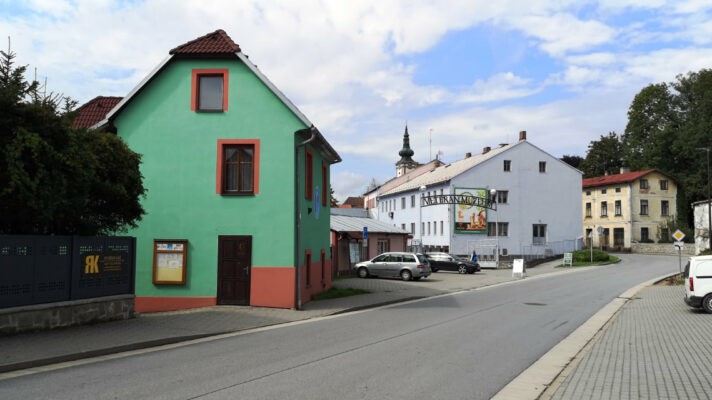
(463, 75)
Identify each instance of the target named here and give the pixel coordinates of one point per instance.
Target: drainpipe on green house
(298, 214)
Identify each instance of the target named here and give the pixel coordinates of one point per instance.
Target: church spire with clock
(406, 163)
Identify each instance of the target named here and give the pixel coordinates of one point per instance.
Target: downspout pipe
(298, 214)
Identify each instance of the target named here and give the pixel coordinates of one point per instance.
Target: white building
(702, 231)
(538, 204)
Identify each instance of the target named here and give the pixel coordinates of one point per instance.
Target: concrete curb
(532, 383)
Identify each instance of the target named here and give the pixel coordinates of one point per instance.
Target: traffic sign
(679, 245)
(365, 232)
(678, 235)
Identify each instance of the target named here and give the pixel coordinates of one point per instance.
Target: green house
(237, 210)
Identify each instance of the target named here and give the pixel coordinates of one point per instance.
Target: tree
(333, 202)
(651, 129)
(57, 180)
(604, 156)
(574, 161)
(667, 125)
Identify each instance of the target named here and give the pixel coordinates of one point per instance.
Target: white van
(698, 282)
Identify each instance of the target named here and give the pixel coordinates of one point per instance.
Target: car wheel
(406, 275)
(461, 269)
(471, 271)
(362, 272)
(707, 303)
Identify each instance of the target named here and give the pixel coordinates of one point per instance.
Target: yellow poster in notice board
(169, 261)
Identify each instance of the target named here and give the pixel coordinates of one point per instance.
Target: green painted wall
(179, 149)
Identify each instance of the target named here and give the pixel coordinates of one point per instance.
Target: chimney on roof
(522, 135)
(486, 150)
(625, 170)
(468, 155)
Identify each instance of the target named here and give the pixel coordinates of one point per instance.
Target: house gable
(182, 156)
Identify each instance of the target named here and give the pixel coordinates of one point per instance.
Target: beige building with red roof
(630, 207)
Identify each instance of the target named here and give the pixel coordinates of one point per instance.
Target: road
(463, 346)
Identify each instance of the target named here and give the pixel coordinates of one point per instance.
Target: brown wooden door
(234, 264)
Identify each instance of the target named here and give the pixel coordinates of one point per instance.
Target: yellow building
(630, 207)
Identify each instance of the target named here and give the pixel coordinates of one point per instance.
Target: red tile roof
(217, 42)
(354, 202)
(94, 111)
(615, 179)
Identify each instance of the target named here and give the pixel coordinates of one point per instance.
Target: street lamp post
(420, 220)
(493, 197)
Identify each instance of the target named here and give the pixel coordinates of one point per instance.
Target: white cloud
(350, 65)
(664, 65)
(499, 87)
(561, 33)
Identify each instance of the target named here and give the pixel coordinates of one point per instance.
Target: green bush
(706, 252)
(585, 256)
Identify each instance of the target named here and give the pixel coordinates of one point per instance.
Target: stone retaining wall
(67, 313)
(662, 248)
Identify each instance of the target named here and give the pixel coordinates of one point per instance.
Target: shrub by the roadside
(585, 256)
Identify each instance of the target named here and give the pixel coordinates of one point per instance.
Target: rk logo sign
(91, 265)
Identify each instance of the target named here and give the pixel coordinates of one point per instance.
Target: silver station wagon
(402, 265)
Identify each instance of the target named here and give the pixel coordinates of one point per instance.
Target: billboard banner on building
(470, 216)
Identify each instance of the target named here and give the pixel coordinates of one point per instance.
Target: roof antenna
(430, 140)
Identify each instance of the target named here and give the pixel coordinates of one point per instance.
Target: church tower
(406, 163)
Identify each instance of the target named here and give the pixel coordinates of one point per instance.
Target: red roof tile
(614, 179)
(94, 111)
(355, 202)
(217, 42)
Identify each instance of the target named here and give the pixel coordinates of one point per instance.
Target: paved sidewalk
(147, 330)
(655, 348)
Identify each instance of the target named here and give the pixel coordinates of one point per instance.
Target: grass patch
(335, 293)
(582, 258)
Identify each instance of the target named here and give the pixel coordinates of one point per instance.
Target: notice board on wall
(170, 261)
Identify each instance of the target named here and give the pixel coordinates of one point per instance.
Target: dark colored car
(446, 262)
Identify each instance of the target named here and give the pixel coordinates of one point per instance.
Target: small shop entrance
(234, 264)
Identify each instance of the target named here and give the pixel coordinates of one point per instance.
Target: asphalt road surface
(463, 346)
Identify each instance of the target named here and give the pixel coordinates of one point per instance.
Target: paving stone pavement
(655, 348)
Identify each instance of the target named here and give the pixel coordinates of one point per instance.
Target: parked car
(402, 265)
(446, 262)
(698, 282)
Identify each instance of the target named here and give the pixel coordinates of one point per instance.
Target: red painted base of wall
(272, 287)
(157, 304)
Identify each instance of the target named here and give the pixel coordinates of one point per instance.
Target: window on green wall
(309, 175)
(238, 167)
(307, 266)
(324, 184)
(209, 90)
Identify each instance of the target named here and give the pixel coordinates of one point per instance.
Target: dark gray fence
(47, 269)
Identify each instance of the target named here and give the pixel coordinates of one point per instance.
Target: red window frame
(195, 86)
(324, 184)
(309, 175)
(220, 164)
